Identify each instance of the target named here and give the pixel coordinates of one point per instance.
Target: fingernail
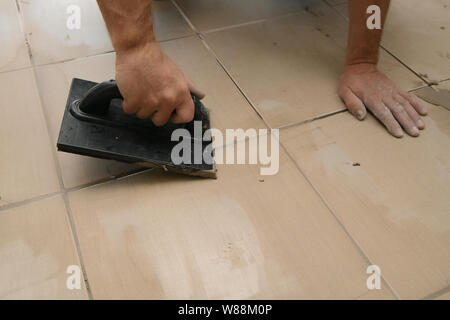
(424, 111)
(415, 131)
(398, 133)
(420, 123)
(360, 114)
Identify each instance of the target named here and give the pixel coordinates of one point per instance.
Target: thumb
(194, 89)
(353, 103)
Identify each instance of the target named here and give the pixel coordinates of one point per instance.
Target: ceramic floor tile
(290, 66)
(50, 38)
(14, 53)
(53, 41)
(212, 14)
(158, 235)
(27, 167)
(36, 247)
(420, 37)
(390, 194)
(228, 108)
(417, 33)
(168, 23)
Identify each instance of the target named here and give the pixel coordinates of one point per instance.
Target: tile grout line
(16, 69)
(323, 116)
(406, 66)
(181, 12)
(17, 204)
(237, 25)
(234, 26)
(90, 55)
(123, 175)
(437, 294)
(63, 191)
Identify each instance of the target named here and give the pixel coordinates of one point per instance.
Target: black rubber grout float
(95, 125)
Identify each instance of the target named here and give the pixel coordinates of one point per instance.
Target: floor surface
(347, 195)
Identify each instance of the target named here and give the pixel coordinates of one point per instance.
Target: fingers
(398, 110)
(129, 108)
(166, 107)
(194, 89)
(383, 114)
(353, 103)
(412, 113)
(161, 116)
(415, 102)
(184, 112)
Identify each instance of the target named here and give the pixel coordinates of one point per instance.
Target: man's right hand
(153, 86)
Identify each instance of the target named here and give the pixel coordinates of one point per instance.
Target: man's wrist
(133, 40)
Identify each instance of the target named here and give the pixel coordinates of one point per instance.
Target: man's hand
(362, 85)
(153, 86)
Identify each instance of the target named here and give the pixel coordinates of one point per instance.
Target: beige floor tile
(36, 247)
(228, 108)
(417, 33)
(290, 67)
(168, 23)
(14, 53)
(390, 194)
(49, 36)
(27, 167)
(212, 14)
(158, 235)
(53, 41)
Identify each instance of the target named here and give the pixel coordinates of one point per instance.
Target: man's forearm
(363, 43)
(129, 22)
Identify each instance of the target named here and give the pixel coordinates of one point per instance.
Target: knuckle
(383, 114)
(398, 109)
